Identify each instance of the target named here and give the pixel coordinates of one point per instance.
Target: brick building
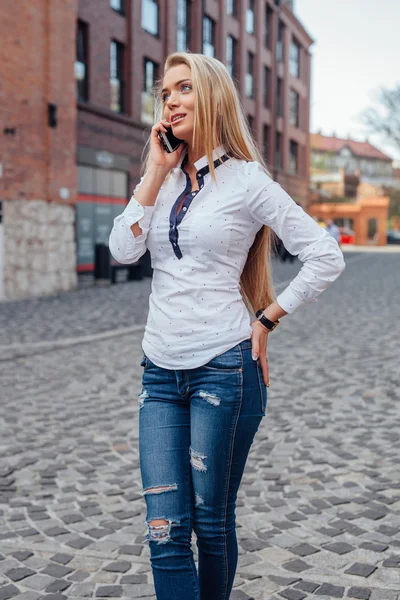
(116, 50)
(37, 147)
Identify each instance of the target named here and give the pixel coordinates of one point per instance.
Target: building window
(249, 82)
(208, 37)
(279, 42)
(266, 134)
(294, 108)
(231, 54)
(279, 97)
(183, 29)
(294, 157)
(117, 5)
(116, 76)
(278, 150)
(150, 73)
(81, 67)
(250, 17)
(150, 16)
(231, 7)
(269, 14)
(267, 86)
(294, 62)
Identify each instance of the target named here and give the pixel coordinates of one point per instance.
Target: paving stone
(296, 565)
(28, 596)
(8, 591)
(79, 543)
(339, 547)
(78, 576)
(55, 531)
(62, 559)
(307, 586)
(19, 573)
(252, 544)
(53, 597)
(131, 579)
(134, 550)
(374, 546)
(359, 592)
(334, 591)
(109, 591)
(392, 561)
(22, 555)
(38, 582)
(59, 585)
(121, 566)
(361, 569)
(57, 570)
(240, 595)
(304, 549)
(291, 594)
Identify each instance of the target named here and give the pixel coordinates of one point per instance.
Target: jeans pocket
(263, 388)
(227, 362)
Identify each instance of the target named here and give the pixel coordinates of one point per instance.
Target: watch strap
(268, 324)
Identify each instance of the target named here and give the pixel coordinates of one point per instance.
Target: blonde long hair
(219, 119)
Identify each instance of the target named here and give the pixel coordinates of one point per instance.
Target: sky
(356, 51)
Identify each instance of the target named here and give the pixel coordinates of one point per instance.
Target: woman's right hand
(159, 158)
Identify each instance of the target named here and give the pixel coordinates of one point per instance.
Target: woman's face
(177, 96)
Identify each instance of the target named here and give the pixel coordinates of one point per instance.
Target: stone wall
(39, 248)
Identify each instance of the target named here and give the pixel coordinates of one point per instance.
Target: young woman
(205, 212)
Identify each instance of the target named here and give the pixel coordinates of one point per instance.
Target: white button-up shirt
(196, 310)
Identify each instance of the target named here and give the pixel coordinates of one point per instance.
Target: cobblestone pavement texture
(318, 512)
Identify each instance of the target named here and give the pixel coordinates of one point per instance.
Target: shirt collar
(203, 162)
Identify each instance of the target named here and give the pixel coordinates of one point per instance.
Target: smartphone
(170, 142)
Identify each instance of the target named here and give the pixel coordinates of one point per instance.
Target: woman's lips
(178, 120)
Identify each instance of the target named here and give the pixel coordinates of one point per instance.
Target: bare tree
(385, 118)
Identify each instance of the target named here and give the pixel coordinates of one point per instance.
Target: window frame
(84, 28)
(267, 87)
(233, 12)
(232, 63)
(121, 10)
(250, 17)
(210, 28)
(295, 61)
(154, 3)
(294, 144)
(279, 97)
(294, 108)
(119, 73)
(280, 49)
(183, 28)
(278, 154)
(250, 74)
(268, 15)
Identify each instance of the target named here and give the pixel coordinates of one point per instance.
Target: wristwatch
(270, 325)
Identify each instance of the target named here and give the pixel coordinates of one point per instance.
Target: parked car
(347, 235)
(393, 237)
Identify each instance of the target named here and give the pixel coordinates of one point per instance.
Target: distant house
(329, 154)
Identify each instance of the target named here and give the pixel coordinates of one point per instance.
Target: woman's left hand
(259, 338)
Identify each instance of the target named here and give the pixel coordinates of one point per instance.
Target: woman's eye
(164, 97)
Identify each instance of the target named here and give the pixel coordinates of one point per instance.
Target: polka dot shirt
(199, 237)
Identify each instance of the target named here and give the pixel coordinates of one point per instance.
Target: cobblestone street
(318, 511)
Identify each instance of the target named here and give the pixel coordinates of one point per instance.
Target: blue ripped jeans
(196, 427)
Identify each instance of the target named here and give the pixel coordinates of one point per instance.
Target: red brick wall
(37, 54)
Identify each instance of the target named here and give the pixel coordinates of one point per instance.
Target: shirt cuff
(135, 212)
(289, 301)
